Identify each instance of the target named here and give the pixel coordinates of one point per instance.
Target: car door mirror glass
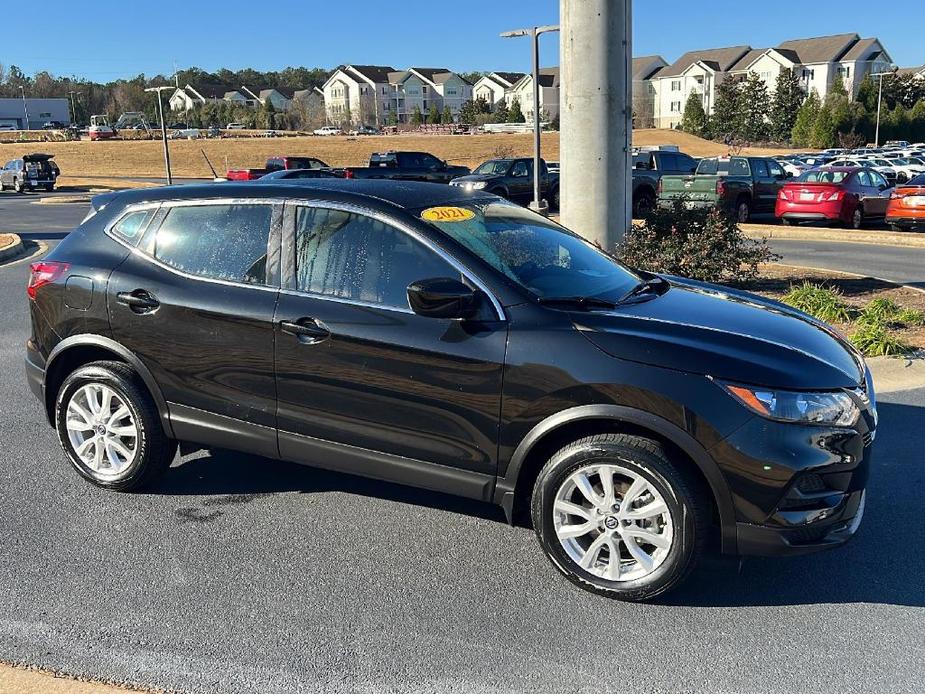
(442, 297)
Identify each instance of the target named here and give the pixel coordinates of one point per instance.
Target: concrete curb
(876, 238)
(893, 374)
(64, 200)
(13, 251)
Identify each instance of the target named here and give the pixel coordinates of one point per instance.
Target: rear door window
(760, 168)
(223, 242)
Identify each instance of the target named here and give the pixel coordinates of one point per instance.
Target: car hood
(473, 178)
(706, 329)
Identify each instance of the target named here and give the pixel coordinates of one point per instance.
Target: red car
(848, 196)
(907, 206)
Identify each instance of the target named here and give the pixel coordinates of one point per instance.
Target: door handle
(140, 300)
(308, 330)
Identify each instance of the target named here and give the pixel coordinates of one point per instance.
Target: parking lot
(243, 574)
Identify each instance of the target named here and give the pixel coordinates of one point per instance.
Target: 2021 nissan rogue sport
(450, 340)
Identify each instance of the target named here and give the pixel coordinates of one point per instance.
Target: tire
(743, 211)
(644, 204)
(786, 222)
(857, 218)
(49, 187)
(555, 199)
(632, 461)
(18, 186)
(151, 451)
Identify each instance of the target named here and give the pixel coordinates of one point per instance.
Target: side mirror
(442, 297)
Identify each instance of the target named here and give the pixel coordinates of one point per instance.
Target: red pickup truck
(276, 164)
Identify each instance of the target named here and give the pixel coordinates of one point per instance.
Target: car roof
(377, 194)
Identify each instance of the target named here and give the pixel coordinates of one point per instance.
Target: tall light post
(25, 108)
(71, 94)
(537, 205)
(881, 75)
(160, 113)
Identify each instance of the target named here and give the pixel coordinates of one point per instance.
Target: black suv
(454, 341)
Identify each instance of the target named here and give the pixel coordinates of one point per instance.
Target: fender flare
(506, 486)
(90, 340)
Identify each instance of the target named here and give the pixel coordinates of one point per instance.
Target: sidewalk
(15, 680)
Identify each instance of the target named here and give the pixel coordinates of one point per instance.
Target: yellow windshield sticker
(447, 214)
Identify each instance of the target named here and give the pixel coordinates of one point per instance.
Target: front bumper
(796, 488)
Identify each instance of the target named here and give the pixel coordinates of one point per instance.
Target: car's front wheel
(110, 429)
(618, 518)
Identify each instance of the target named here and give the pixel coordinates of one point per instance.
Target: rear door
(764, 186)
(366, 385)
(195, 303)
(520, 186)
(878, 196)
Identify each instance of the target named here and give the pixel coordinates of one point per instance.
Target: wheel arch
(77, 350)
(514, 489)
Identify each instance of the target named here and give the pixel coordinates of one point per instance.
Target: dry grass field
(145, 158)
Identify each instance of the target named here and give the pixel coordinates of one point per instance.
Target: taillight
(784, 194)
(834, 196)
(43, 273)
(659, 187)
(721, 187)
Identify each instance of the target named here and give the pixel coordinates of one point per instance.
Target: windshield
(544, 258)
(823, 176)
(493, 168)
(306, 163)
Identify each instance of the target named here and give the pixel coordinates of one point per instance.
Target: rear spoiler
(37, 156)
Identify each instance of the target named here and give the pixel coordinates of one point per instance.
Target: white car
(6, 127)
(185, 134)
(236, 126)
(905, 166)
(329, 130)
(792, 167)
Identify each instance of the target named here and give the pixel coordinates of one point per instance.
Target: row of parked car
(844, 192)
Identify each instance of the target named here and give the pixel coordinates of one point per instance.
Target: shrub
(819, 302)
(703, 244)
(885, 311)
(874, 340)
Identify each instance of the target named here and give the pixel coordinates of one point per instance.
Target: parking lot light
(537, 205)
(881, 75)
(160, 113)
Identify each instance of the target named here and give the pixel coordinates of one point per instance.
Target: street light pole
(160, 113)
(881, 75)
(25, 108)
(537, 205)
(71, 94)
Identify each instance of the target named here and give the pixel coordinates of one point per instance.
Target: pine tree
(726, 121)
(694, 120)
(754, 107)
(433, 116)
(516, 115)
(917, 115)
(824, 132)
(416, 116)
(447, 115)
(867, 93)
(788, 97)
(502, 113)
(802, 134)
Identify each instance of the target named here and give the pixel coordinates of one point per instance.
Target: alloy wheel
(102, 430)
(744, 212)
(857, 219)
(612, 522)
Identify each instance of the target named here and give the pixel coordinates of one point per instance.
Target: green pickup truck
(741, 185)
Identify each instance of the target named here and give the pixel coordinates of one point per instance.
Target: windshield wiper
(653, 283)
(586, 303)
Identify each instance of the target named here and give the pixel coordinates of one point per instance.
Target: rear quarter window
(132, 226)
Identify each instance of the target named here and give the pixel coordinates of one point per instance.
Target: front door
(521, 186)
(196, 304)
(366, 385)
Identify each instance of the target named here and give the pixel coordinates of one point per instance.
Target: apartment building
(522, 90)
(818, 62)
(188, 97)
(494, 86)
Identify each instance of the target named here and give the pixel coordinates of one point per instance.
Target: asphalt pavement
(242, 574)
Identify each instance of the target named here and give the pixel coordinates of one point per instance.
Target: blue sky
(125, 38)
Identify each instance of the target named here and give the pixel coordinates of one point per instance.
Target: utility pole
(25, 108)
(596, 118)
(73, 107)
(537, 205)
(160, 113)
(881, 75)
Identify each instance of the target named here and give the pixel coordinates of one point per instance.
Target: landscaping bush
(703, 244)
(874, 340)
(887, 312)
(819, 302)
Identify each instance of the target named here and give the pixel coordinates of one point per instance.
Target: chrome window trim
(137, 207)
(405, 228)
(346, 300)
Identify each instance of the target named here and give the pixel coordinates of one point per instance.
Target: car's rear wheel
(786, 222)
(644, 204)
(618, 518)
(857, 218)
(743, 210)
(555, 199)
(110, 429)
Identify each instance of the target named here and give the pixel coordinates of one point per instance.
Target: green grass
(887, 312)
(819, 302)
(875, 340)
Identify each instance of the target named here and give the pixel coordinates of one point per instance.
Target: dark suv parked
(453, 341)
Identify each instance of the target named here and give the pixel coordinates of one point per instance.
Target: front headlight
(476, 185)
(834, 408)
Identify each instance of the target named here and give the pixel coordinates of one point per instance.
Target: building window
(844, 72)
(675, 85)
(809, 74)
(451, 92)
(676, 107)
